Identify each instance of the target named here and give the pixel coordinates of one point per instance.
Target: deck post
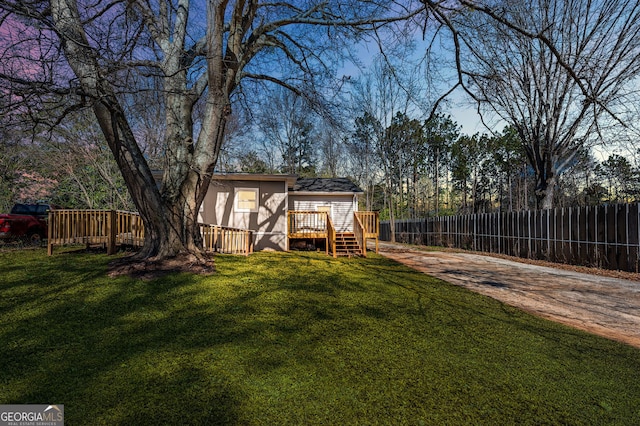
(50, 234)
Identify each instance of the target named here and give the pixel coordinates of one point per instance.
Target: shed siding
(269, 223)
(341, 207)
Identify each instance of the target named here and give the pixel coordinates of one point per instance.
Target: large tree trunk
(537, 150)
(546, 181)
(169, 213)
(170, 219)
(545, 192)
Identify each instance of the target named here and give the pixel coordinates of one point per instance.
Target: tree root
(148, 269)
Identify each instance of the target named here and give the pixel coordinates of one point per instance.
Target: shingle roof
(325, 185)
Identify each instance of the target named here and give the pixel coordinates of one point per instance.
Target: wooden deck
(113, 228)
(313, 225)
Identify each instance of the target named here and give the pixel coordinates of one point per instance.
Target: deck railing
(226, 240)
(129, 229)
(108, 227)
(307, 224)
(112, 228)
(360, 234)
(371, 224)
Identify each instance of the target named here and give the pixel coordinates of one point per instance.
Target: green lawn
(295, 338)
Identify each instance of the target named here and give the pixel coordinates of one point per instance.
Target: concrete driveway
(608, 307)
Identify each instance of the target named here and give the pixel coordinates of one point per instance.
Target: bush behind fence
(603, 236)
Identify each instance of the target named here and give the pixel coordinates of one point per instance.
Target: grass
(302, 338)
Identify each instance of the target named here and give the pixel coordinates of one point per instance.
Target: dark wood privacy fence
(604, 236)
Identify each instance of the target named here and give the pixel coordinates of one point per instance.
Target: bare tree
(332, 151)
(384, 91)
(287, 121)
(77, 157)
(557, 71)
(361, 149)
(68, 54)
(15, 158)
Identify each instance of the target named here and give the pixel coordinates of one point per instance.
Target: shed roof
(325, 185)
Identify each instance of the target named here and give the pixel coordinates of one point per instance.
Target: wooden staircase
(317, 225)
(347, 244)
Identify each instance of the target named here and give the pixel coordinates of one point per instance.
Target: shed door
(326, 208)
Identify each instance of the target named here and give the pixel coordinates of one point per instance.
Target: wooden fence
(607, 237)
(112, 228)
(222, 239)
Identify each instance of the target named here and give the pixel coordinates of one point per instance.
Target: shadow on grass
(299, 339)
(111, 349)
(132, 347)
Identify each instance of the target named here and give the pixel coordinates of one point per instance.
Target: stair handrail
(371, 222)
(359, 233)
(331, 236)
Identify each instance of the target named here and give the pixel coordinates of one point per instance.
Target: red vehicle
(26, 222)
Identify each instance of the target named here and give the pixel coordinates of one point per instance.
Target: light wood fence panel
(226, 240)
(112, 228)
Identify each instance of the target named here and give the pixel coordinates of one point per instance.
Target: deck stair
(317, 226)
(347, 244)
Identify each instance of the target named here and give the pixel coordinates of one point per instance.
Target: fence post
(50, 234)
